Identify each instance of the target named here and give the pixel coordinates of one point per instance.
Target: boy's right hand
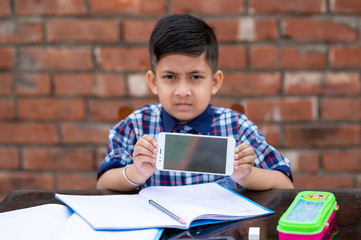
(144, 157)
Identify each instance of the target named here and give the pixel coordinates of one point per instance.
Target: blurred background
(67, 66)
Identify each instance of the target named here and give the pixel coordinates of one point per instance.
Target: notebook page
(33, 223)
(209, 200)
(76, 228)
(117, 211)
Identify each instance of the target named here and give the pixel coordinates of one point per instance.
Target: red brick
(303, 160)
(232, 57)
(138, 30)
(322, 30)
(104, 85)
(226, 29)
(35, 58)
(345, 6)
(50, 7)
(287, 6)
(317, 83)
(264, 57)
(9, 158)
(7, 57)
(345, 56)
(137, 85)
(5, 8)
(107, 110)
(6, 109)
(271, 132)
(83, 31)
(207, 7)
(10, 181)
(250, 84)
(121, 59)
(84, 133)
(58, 159)
(223, 102)
(6, 84)
(266, 29)
(342, 160)
(307, 181)
(51, 109)
(244, 29)
(317, 135)
(3, 196)
(100, 155)
(32, 84)
(308, 161)
(28, 133)
(281, 109)
(341, 109)
(302, 57)
(77, 180)
(131, 6)
(13, 32)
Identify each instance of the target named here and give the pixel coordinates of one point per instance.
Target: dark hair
(183, 33)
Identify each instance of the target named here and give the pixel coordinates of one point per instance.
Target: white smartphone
(195, 153)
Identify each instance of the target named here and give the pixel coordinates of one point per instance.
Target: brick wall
(66, 66)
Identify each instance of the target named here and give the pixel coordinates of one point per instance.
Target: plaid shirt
(217, 121)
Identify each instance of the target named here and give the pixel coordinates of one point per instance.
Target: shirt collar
(200, 124)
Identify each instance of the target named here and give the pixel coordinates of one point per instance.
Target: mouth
(183, 106)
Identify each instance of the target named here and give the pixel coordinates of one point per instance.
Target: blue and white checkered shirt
(217, 121)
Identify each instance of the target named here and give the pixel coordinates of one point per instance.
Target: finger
(243, 170)
(151, 140)
(145, 145)
(140, 150)
(141, 160)
(244, 153)
(144, 159)
(244, 161)
(243, 164)
(242, 146)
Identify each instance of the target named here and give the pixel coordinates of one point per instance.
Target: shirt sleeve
(266, 156)
(120, 147)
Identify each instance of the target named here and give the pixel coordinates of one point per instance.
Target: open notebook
(58, 222)
(195, 204)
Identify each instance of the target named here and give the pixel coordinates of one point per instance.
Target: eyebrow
(192, 72)
(197, 71)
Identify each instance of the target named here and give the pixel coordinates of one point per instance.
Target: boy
(184, 56)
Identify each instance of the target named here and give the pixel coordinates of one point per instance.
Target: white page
(198, 201)
(76, 228)
(133, 211)
(33, 223)
(117, 211)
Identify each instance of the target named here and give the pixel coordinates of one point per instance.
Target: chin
(183, 118)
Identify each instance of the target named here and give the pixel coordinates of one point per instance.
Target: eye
(168, 76)
(196, 77)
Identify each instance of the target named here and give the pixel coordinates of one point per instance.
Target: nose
(183, 89)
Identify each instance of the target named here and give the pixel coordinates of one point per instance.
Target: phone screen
(197, 154)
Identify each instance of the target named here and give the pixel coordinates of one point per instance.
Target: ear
(217, 81)
(151, 82)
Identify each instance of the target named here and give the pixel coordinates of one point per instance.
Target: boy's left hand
(243, 161)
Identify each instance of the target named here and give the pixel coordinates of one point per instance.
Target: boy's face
(184, 85)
